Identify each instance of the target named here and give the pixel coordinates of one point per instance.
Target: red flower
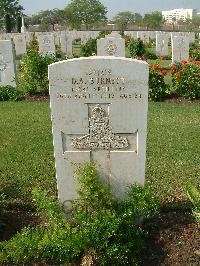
(183, 62)
(164, 72)
(154, 66)
(190, 59)
(172, 68)
(178, 75)
(161, 68)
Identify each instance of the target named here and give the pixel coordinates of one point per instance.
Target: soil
(174, 240)
(174, 237)
(14, 220)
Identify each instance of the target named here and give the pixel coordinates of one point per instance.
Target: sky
(114, 6)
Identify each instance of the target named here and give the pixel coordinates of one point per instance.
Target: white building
(172, 16)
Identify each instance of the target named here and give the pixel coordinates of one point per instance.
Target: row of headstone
(180, 45)
(99, 113)
(180, 48)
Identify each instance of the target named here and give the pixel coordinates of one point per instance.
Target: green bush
(9, 93)
(90, 48)
(194, 196)
(137, 48)
(150, 55)
(98, 226)
(33, 73)
(185, 79)
(34, 44)
(158, 89)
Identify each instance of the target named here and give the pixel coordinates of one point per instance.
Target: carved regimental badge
(111, 48)
(100, 134)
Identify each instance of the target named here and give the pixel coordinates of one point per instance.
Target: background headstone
(7, 66)
(180, 46)
(20, 44)
(111, 45)
(47, 44)
(162, 40)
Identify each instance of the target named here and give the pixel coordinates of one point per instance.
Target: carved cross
(100, 138)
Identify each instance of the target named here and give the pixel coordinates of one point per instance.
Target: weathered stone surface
(111, 45)
(99, 113)
(180, 46)
(7, 67)
(20, 44)
(162, 40)
(47, 44)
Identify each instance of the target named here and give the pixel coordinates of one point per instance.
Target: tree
(8, 23)
(48, 17)
(122, 19)
(196, 21)
(11, 8)
(87, 12)
(19, 23)
(153, 20)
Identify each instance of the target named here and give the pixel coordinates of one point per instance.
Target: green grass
(173, 154)
(26, 151)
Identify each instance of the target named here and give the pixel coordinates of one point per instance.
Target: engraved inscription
(101, 84)
(100, 134)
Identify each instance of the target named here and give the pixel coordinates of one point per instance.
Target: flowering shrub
(157, 85)
(185, 79)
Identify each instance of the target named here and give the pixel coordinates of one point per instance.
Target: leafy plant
(137, 48)
(150, 55)
(194, 196)
(90, 48)
(33, 73)
(34, 44)
(99, 226)
(9, 93)
(185, 79)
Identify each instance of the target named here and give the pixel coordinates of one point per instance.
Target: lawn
(26, 151)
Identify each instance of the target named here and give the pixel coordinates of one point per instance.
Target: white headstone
(7, 67)
(162, 40)
(192, 37)
(47, 44)
(111, 45)
(99, 113)
(20, 44)
(143, 35)
(66, 43)
(180, 46)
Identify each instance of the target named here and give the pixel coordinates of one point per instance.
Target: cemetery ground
(173, 157)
